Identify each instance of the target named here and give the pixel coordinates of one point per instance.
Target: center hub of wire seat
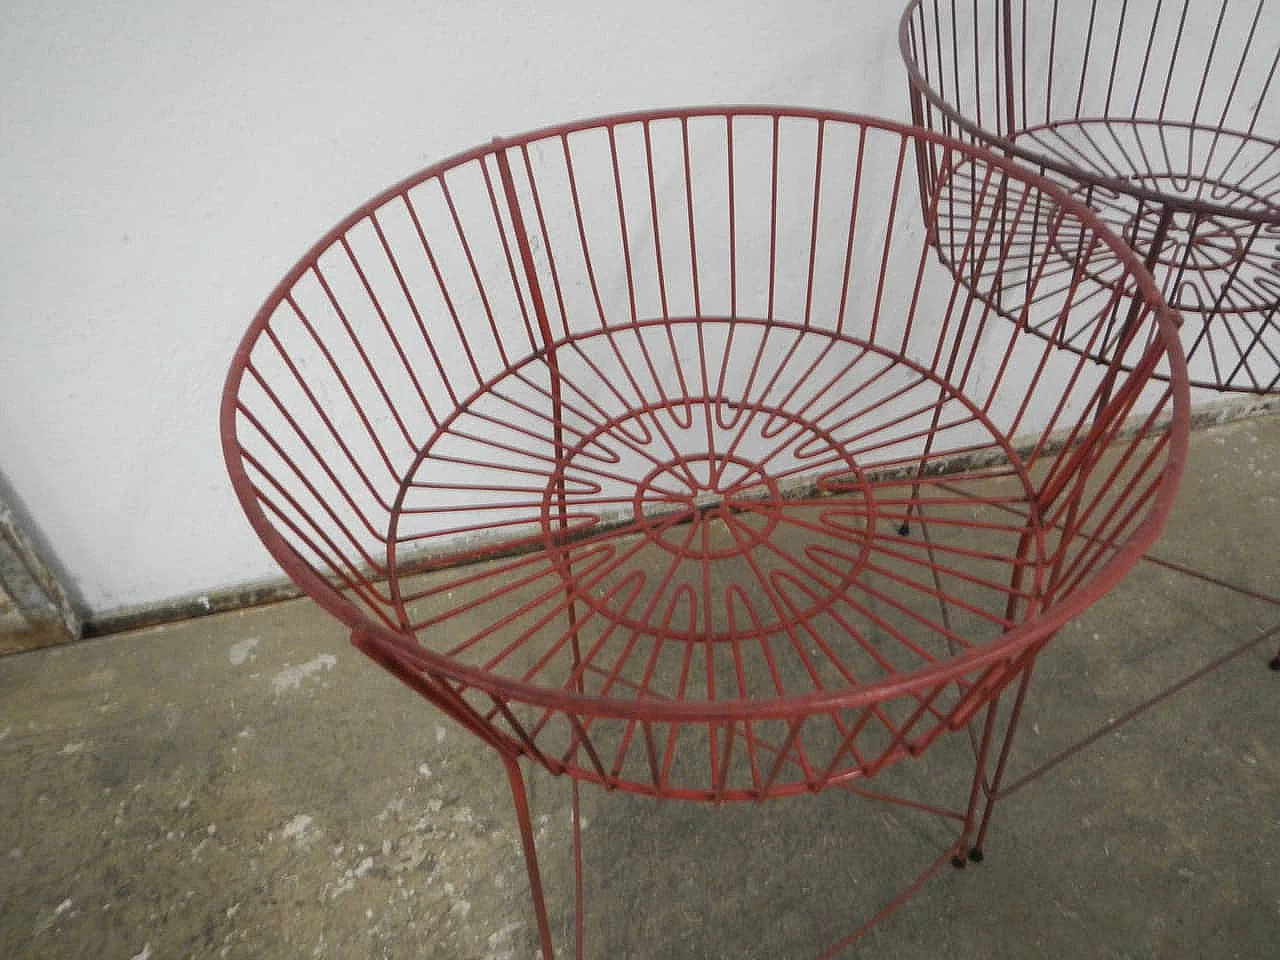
(740, 522)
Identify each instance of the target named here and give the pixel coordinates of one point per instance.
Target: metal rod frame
(657, 450)
(1158, 113)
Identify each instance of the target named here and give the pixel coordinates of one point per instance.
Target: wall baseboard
(190, 607)
(279, 590)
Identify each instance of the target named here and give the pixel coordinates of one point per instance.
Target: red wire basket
(657, 450)
(1159, 114)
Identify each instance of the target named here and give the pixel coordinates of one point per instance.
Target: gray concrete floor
(248, 785)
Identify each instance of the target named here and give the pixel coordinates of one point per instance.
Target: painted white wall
(164, 163)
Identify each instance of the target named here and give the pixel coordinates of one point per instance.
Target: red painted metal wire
(660, 449)
(1161, 114)
(609, 432)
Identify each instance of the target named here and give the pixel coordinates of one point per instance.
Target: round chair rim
(1083, 175)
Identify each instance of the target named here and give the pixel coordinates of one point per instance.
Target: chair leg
(520, 796)
(993, 792)
(977, 789)
(579, 913)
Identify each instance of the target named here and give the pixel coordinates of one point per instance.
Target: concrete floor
(248, 785)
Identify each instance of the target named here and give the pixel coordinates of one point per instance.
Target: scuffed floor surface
(248, 785)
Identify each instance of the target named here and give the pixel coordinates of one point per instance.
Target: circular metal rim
(1005, 649)
(1087, 177)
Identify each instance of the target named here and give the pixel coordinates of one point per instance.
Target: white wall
(163, 163)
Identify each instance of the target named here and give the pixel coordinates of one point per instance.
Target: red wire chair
(1161, 115)
(655, 449)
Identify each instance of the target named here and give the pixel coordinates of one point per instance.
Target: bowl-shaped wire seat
(1160, 114)
(660, 449)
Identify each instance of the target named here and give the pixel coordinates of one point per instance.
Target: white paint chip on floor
(242, 651)
(290, 678)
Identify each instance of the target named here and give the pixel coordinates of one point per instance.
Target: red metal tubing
(608, 430)
(1159, 114)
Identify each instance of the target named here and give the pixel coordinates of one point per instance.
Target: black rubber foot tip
(976, 855)
(958, 862)
(1275, 663)
(904, 530)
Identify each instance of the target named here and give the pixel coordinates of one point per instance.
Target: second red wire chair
(1160, 114)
